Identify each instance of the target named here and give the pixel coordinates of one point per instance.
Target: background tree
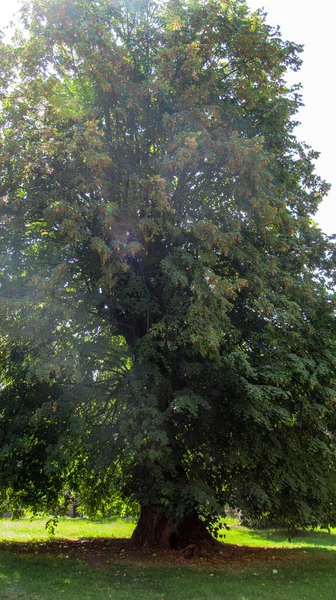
(162, 279)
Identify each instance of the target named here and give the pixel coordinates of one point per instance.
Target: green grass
(53, 578)
(270, 538)
(302, 570)
(25, 529)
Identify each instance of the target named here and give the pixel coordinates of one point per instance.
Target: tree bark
(190, 535)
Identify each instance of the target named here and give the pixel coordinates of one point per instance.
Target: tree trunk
(190, 535)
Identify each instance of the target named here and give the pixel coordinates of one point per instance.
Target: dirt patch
(99, 552)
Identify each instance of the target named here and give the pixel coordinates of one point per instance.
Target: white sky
(312, 24)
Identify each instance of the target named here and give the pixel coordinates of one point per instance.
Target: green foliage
(167, 317)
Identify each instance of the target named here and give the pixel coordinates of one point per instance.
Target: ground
(83, 561)
(99, 552)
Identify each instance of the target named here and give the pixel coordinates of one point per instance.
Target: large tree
(167, 312)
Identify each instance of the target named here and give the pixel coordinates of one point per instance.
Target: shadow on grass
(63, 546)
(100, 551)
(308, 576)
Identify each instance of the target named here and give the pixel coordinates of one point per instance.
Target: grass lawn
(265, 566)
(26, 530)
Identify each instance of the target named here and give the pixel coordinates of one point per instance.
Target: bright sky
(312, 24)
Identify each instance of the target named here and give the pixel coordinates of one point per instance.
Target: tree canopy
(167, 313)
